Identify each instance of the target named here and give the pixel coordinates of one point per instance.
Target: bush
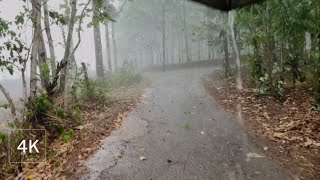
(255, 66)
(123, 76)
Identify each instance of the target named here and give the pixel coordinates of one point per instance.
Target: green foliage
(79, 118)
(276, 31)
(186, 126)
(9, 169)
(3, 138)
(45, 72)
(12, 47)
(5, 106)
(60, 112)
(124, 76)
(39, 105)
(101, 13)
(96, 91)
(66, 136)
(50, 154)
(58, 18)
(255, 67)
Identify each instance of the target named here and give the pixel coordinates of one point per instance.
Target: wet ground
(179, 132)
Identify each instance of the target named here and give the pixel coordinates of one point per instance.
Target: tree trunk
(163, 39)
(8, 97)
(86, 77)
(185, 30)
(108, 46)
(50, 41)
(68, 44)
(107, 38)
(226, 53)
(42, 55)
(179, 48)
(98, 47)
(36, 20)
(114, 47)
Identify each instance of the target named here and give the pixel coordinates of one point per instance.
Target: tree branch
(7, 96)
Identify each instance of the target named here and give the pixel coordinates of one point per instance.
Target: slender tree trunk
(36, 20)
(172, 45)
(114, 47)
(108, 46)
(106, 2)
(226, 53)
(179, 48)
(49, 37)
(98, 47)
(8, 97)
(152, 55)
(185, 30)
(44, 70)
(24, 82)
(86, 77)
(163, 39)
(199, 49)
(68, 44)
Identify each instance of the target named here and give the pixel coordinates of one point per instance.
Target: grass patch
(186, 126)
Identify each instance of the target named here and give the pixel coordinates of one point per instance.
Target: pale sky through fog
(85, 53)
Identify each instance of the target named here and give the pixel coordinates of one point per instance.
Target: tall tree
(49, 37)
(114, 46)
(36, 21)
(185, 30)
(68, 48)
(97, 43)
(163, 38)
(107, 36)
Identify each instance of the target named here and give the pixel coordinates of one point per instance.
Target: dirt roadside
(67, 158)
(288, 132)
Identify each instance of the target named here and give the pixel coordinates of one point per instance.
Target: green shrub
(123, 76)
(66, 136)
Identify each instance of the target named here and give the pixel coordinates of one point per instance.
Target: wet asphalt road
(166, 128)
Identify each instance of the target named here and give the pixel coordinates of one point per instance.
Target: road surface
(182, 134)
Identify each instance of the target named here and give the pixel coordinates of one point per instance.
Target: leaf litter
(288, 131)
(68, 158)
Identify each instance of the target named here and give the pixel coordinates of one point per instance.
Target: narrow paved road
(166, 129)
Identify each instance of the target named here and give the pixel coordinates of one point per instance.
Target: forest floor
(65, 158)
(288, 131)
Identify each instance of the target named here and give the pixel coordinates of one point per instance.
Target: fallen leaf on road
(202, 133)
(265, 114)
(310, 142)
(279, 135)
(142, 158)
(265, 148)
(254, 155)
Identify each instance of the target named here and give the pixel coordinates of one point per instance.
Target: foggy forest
(159, 89)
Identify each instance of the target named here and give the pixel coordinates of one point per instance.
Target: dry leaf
(254, 155)
(265, 114)
(142, 158)
(279, 135)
